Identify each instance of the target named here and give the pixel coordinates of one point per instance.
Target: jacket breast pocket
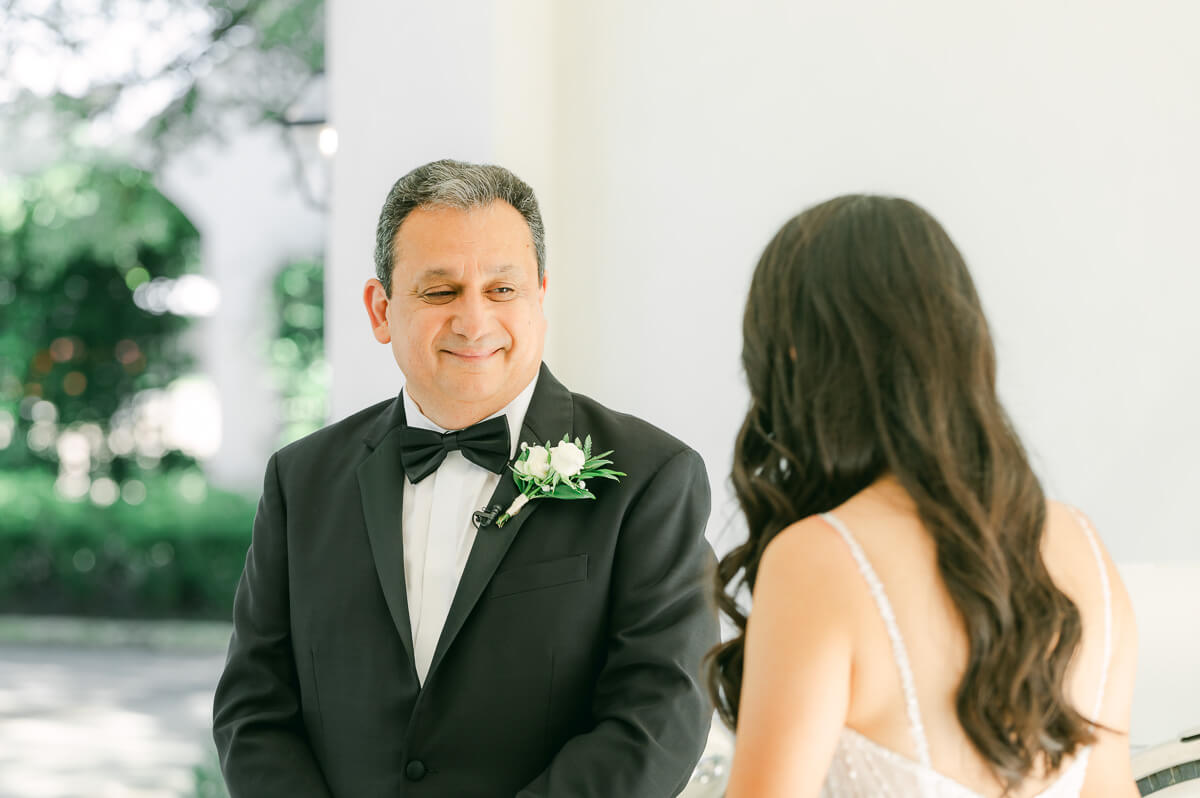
(538, 575)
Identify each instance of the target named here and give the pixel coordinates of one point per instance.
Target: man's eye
(438, 297)
(504, 291)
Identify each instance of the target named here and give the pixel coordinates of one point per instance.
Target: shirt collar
(515, 411)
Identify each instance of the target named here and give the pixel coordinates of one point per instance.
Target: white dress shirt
(437, 528)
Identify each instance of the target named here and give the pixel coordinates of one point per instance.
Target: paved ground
(110, 709)
(118, 719)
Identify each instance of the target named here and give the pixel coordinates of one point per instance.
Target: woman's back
(871, 366)
(882, 522)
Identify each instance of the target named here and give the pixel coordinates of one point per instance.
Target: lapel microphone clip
(485, 517)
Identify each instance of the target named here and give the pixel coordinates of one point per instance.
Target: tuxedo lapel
(381, 487)
(549, 417)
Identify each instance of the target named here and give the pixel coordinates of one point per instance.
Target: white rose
(567, 459)
(537, 465)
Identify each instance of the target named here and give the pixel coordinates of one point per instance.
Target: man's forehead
(443, 272)
(448, 243)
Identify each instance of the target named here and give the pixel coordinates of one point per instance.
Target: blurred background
(188, 195)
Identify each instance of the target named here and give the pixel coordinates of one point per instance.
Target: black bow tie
(485, 444)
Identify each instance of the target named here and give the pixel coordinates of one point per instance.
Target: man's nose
(472, 316)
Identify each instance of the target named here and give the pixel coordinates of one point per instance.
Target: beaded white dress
(862, 767)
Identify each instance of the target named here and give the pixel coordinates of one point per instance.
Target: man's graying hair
(453, 184)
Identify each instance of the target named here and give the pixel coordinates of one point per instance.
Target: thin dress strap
(1106, 589)
(916, 728)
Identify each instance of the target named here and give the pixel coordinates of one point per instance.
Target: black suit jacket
(568, 665)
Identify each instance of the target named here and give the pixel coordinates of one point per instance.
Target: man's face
(465, 317)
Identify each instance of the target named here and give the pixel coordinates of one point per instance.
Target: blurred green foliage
(244, 59)
(208, 782)
(178, 553)
(297, 353)
(76, 242)
(77, 353)
(83, 248)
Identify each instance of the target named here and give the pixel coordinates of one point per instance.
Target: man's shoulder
(347, 435)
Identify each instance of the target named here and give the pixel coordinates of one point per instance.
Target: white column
(242, 197)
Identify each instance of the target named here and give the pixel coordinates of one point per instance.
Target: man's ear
(376, 300)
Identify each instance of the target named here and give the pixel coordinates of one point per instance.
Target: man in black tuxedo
(390, 638)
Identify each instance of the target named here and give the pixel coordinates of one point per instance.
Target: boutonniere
(557, 472)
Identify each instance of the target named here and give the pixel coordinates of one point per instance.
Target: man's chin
(470, 385)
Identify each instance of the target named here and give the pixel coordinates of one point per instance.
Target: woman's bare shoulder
(1081, 566)
(1078, 561)
(807, 557)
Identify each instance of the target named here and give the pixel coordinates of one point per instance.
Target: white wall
(1055, 141)
(1166, 703)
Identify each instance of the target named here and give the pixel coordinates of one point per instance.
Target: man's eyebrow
(434, 272)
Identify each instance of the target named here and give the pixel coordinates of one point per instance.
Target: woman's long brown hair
(867, 353)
